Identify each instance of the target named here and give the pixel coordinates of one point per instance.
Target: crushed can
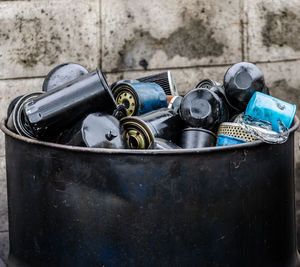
(271, 109)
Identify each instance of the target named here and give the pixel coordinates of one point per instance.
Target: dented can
(140, 132)
(62, 74)
(197, 138)
(97, 130)
(241, 81)
(271, 109)
(139, 98)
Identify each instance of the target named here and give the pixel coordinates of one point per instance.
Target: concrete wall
(130, 38)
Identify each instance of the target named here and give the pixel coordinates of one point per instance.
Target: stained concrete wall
(131, 38)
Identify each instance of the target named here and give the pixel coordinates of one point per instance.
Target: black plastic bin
(219, 206)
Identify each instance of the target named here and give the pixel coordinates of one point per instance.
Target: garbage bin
(218, 206)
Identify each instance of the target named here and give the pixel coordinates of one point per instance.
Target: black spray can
(163, 144)
(139, 98)
(97, 130)
(140, 132)
(164, 79)
(197, 138)
(16, 120)
(202, 108)
(62, 74)
(241, 81)
(56, 110)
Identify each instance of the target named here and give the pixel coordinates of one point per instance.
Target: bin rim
(110, 151)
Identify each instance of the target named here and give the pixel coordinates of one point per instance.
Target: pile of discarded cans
(79, 108)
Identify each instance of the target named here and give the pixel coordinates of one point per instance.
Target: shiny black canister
(197, 138)
(202, 108)
(60, 108)
(140, 131)
(62, 74)
(241, 81)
